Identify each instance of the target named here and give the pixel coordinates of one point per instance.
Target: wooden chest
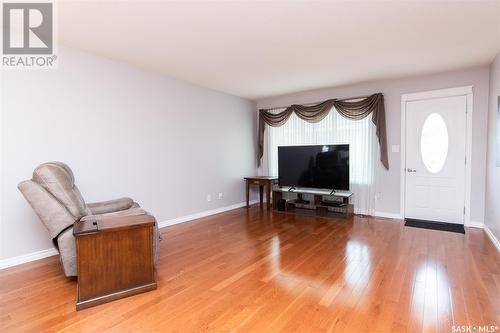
(114, 258)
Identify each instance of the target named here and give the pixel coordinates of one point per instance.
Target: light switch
(395, 148)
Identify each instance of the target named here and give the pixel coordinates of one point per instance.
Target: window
(434, 143)
(333, 129)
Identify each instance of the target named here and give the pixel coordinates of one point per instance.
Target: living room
(287, 166)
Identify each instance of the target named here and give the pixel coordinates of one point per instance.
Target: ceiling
(265, 48)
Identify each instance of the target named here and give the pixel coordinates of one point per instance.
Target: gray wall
(388, 182)
(125, 132)
(492, 209)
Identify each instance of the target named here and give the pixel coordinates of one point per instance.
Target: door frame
(440, 93)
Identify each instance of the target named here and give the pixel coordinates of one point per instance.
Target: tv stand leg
(300, 200)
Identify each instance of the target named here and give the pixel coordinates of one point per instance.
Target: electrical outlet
(220, 195)
(209, 197)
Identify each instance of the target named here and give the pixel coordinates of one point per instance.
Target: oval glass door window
(434, 142)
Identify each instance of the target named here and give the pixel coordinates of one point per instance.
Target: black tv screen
(325, 166)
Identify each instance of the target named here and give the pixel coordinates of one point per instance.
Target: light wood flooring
(249, 270)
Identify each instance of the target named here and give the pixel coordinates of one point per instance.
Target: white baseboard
(474, 224)
(494, 240)
(9, 262)
(388, 215)
(199, 215)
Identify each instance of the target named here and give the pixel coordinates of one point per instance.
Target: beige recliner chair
(58, 203)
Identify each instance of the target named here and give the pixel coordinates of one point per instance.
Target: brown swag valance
(355, 110)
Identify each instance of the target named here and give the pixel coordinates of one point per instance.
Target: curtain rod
(339, 99)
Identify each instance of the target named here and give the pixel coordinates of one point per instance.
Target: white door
(435, 159)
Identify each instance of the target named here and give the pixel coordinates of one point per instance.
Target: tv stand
(333, 203)
(300, 200)
(324, 203)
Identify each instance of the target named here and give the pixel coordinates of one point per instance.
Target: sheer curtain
(333, 129)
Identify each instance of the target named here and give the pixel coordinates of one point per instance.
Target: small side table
(263, 182)
(114, 258)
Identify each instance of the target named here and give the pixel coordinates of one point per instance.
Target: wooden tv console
(314, 202)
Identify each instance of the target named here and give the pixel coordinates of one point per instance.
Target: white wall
(388, 182)
(124, 132)
(492, 209)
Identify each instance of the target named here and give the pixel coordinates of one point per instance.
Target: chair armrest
(110, 206)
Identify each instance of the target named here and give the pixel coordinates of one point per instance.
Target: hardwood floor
(253, 271)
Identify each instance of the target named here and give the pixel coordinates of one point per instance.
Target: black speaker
(282, 205)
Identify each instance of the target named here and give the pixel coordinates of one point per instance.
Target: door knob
(411, 170)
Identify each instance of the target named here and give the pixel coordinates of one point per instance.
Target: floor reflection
(358, 263)
(354, 275)
(431, 294)
(275, 259)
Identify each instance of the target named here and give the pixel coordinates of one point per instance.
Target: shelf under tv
(321, 202)
(324, 192)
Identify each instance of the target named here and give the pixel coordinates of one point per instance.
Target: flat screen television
(322, 166)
